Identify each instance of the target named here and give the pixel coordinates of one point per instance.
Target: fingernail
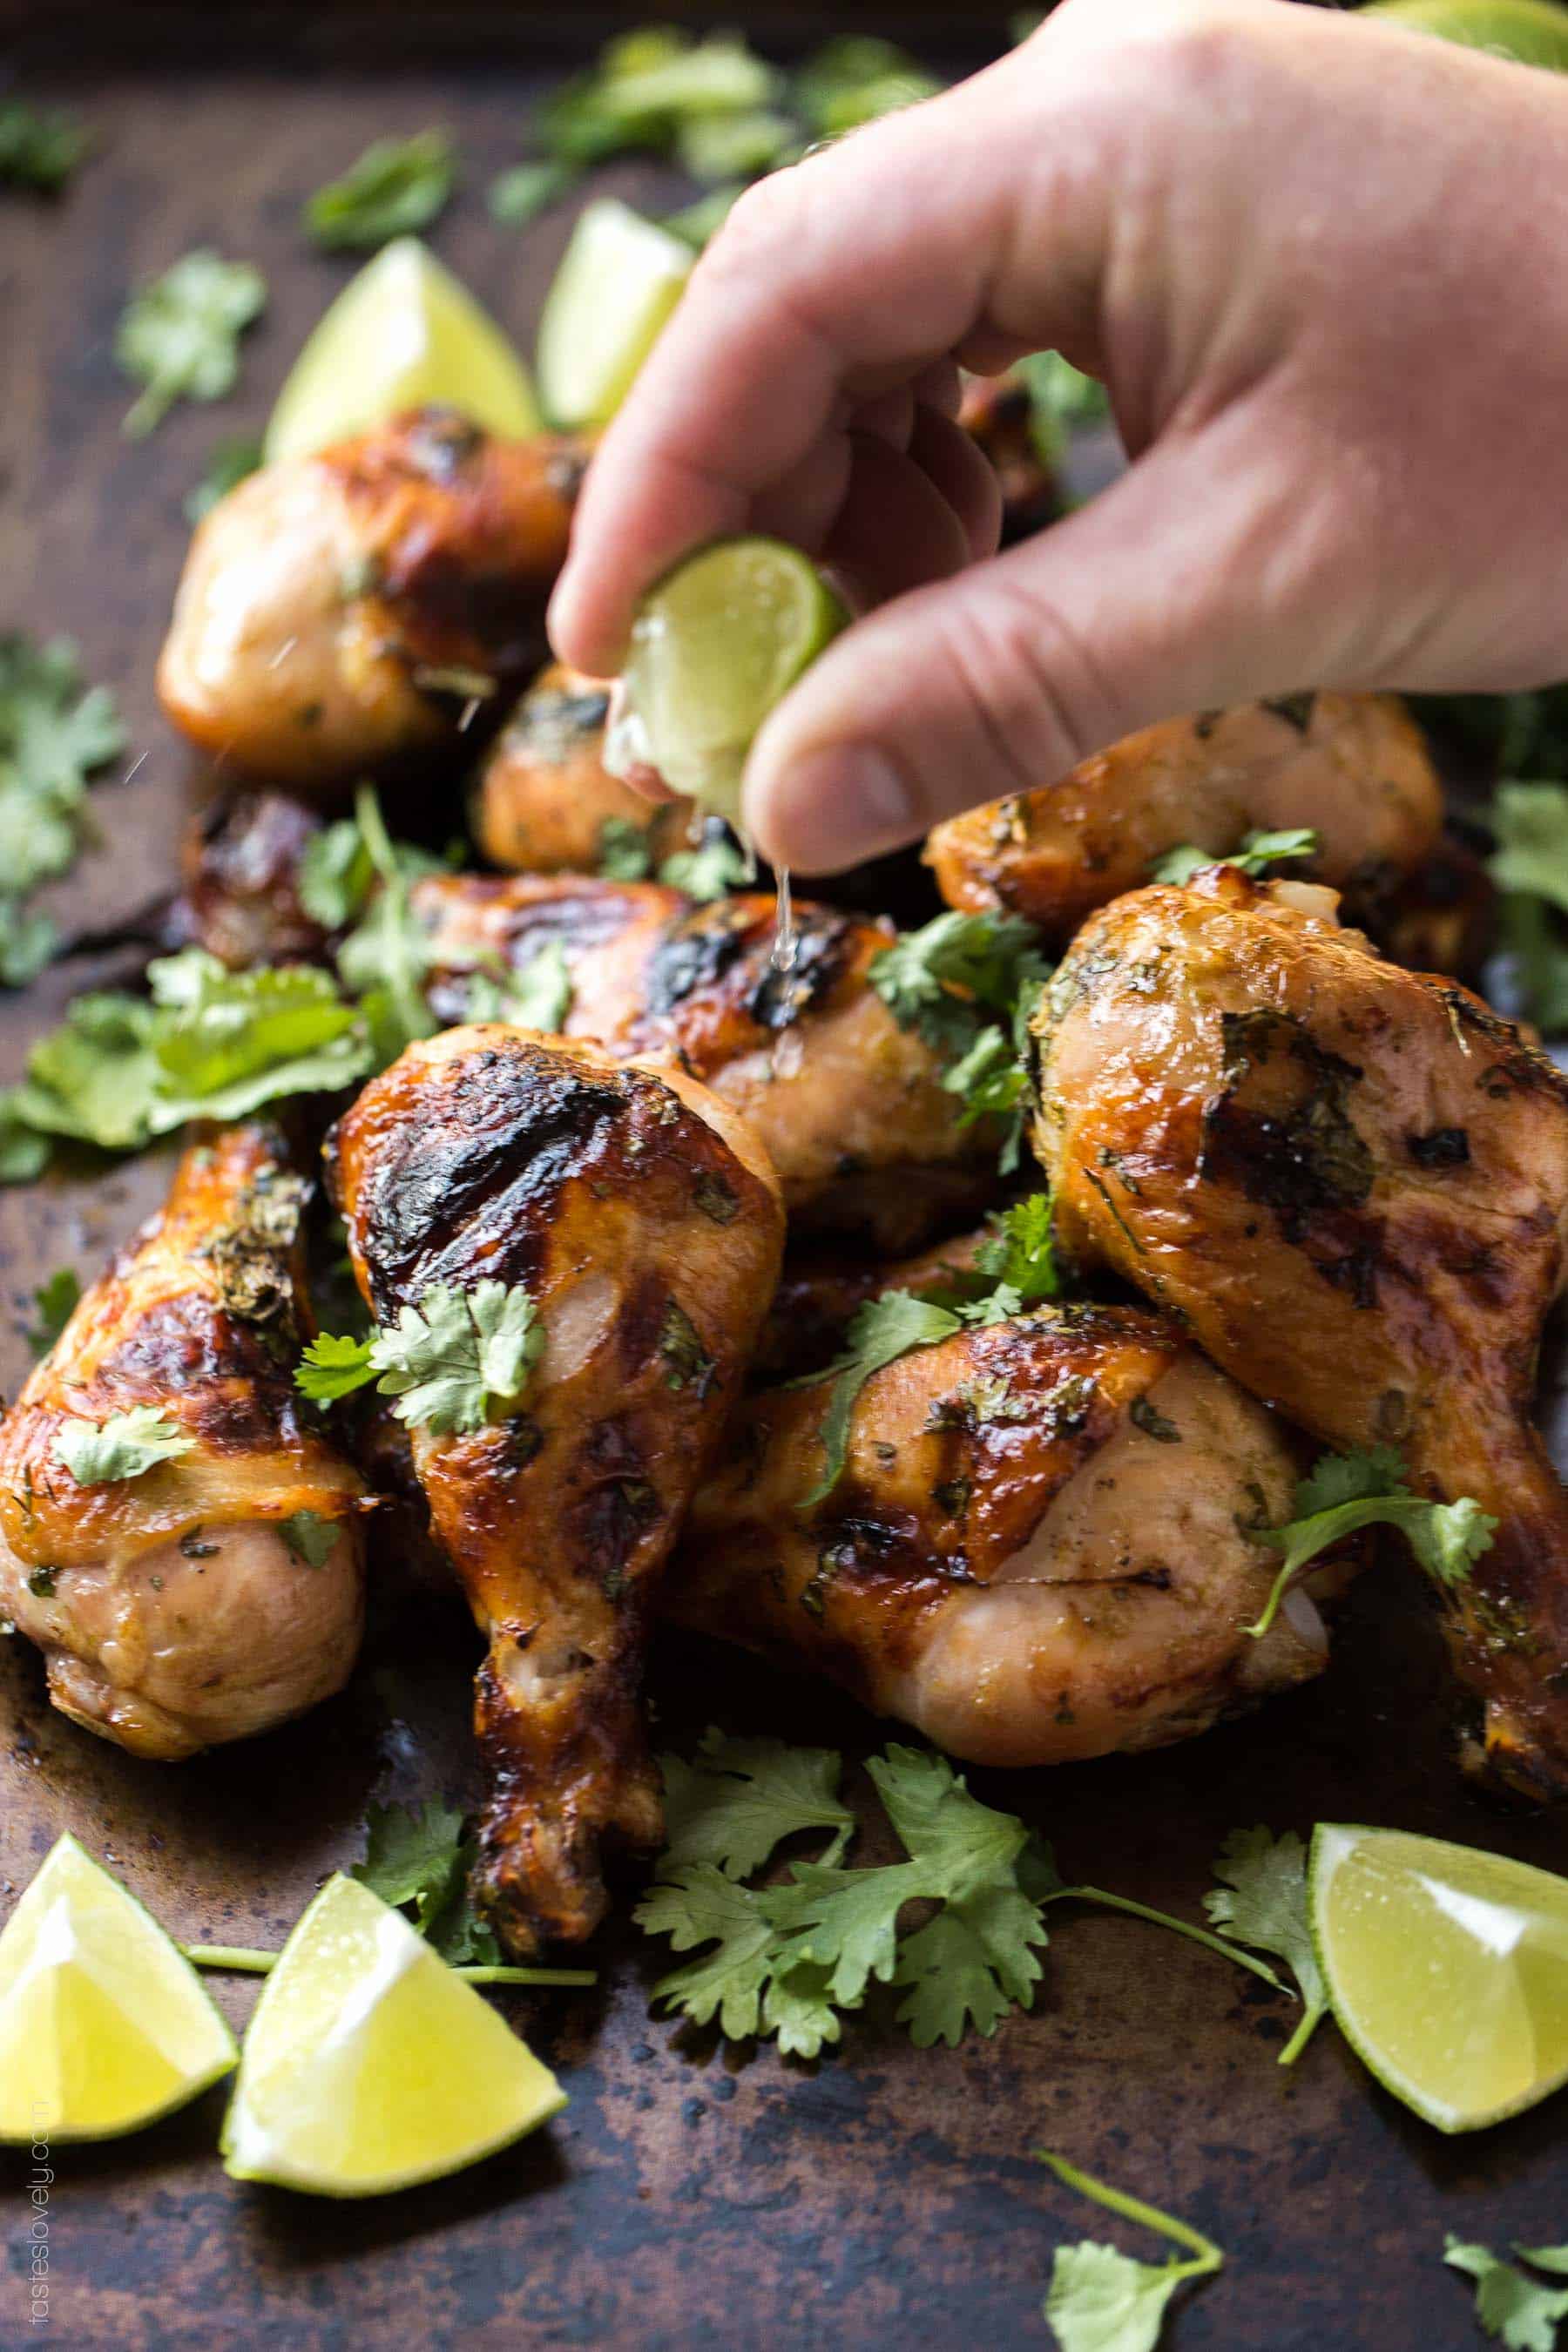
(830, 809)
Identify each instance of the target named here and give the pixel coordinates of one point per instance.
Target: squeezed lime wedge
(370, 2067)
(715, 645)
(402, 334)
(1448, 1969)
(104, 2024)
(620, 279)
(1532, 32)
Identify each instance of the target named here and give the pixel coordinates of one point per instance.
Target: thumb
(1187, 585)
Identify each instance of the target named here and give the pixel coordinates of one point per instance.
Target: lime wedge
(1448, 1969)
(620, 279)
(104, 2025)
(714, 645)
(1532, 32)
(370, 2067)
(402, 333)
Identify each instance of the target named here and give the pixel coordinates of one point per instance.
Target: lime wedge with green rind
(620, 279)
(402, 334)
(1447, 1969)
(370, 2067)
(715, 645)
(104, 2024)
(1531, 32)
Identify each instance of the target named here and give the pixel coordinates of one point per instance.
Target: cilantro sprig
(41, 147)
(968, 984)
(55, 733)
(1346, 1492)
(1520, 2310)
(1262, 1901)
(1102, 2300)
(396, 188)
(179, 335)
(1015, 1269)
(54, 1303)
(1257, 852)
(455, 1362)
(789, 1959)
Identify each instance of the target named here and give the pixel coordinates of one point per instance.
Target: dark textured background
(691, 2197)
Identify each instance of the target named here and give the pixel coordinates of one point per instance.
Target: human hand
(1319, 264)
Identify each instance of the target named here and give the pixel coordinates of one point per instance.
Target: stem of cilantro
(244, 1960)
(1302, 2035)
(1206, 2256)
(1165, 1919)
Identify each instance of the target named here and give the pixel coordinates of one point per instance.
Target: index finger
(850, 271)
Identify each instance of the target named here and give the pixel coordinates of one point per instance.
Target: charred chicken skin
(241, 866)
(1036, 1551)
(1352, 1182)
(544, 797)
(645, 1225)
(220, 1592)
(1352, 766)
(349, 610)
(849, 1108)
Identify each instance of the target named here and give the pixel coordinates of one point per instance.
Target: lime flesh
(620, 279)
(370, 2067)
(714, 647)
(402, 334)
(1532, 32)
(104, 2025)
(1448, 1969)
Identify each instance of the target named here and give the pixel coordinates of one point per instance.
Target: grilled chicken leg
(1036, 1551)
(1352, 766)
(1352, 1182)
(221, 1592)
(544, 796)
(341, 612)
(645, 1225)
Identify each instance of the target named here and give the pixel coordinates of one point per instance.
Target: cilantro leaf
(39, 147)
(459, 1358)
(743, 1797)
(710, 871)
(229, 463)
(100, 1452)
(1349, 1491)
(695, 224)
(1531, 822)
(179, 335)
(417, 1859)
(310, 1539)
(93, 1078)
(1263, 1902)
(232, 1040)
(881, 1332)
(388, 956)
(396, 187)
(1021, 1250)
(1509, 2303)
(648, 90)
(517, 196)
(716, 148)
(27, 942)
(337, 874)
(24, 1151)
(1259, 851)
(624, 853)
(854, 79)
(333, 1366)
(696, 1903)
(943, 979)
(1104, 2301)
(537, 997)
(54, 734)
(56, 1302)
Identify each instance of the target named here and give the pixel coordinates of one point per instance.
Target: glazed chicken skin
(849, 1106)
(1352, 766)
(240, 868)
(1036, 1552)
(191, 1604)
(543, 796)
(350, 610)
(1352, 1182)
(646, 1226)
(997, 412)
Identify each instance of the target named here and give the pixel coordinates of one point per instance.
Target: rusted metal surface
(692, 2197)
